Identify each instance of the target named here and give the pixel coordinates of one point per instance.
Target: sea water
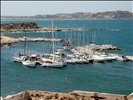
(110, 77)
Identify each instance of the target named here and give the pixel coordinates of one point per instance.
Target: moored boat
(18, 58)
(122, 58)
(98, 58)
(31, 61)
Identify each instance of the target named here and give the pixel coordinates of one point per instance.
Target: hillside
(82, 15)
(99, 15)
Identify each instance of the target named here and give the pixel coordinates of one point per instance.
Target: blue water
(111, 77)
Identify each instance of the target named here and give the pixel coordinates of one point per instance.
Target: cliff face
(19, 26)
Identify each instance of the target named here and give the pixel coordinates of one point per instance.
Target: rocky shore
(19, 26)
(33, 27)
(75, 95)
(30, 27)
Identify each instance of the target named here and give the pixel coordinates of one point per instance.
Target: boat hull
(29, 63)
(54, 65)
(18, 58)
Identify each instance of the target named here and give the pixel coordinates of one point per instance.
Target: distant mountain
(82, 15)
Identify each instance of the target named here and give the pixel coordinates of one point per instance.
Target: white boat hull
(97, 58)
(29, 63)
(18, 58)
(85, 61)
(54, 65)
(121, 59)
(70, 61)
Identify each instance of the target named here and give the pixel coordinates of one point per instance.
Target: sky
(31, 8)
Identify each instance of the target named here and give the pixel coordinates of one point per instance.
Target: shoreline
(56, 29)
(10, 40)
(74, 95)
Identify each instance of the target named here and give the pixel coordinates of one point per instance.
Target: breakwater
(7, 39)
(75, 95)
(49, 29)
(33, 27)
(39, 39)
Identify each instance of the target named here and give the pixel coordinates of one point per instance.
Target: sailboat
(30, 60)
(56, 63)
(20, 57)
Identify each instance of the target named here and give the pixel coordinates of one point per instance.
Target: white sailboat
(20, 57)
(70, 59)
(122, 58)
(107, 57)
(98, 58)
(54, 62)
(31, 61)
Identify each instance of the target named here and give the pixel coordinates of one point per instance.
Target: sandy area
(6, 39)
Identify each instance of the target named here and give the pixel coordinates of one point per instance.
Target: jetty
(90, 48)
(33, 27)
(9, 40)
(39, 39)
(75, 95)
(49, 29)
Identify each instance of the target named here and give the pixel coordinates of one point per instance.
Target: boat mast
(43, 44)
(53, 39)
(84, 34)
(94, 34)
(48, 44)
(84, 37)
(25, 46)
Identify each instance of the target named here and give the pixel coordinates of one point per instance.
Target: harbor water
(110, 77)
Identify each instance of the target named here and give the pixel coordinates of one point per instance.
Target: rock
(19, 26)
(20, 96)
(130, 96)
(75, 95)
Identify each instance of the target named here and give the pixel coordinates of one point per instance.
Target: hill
(82, 15)
(99, 15)
(18, 26)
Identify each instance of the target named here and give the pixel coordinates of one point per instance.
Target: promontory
(19, 26)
